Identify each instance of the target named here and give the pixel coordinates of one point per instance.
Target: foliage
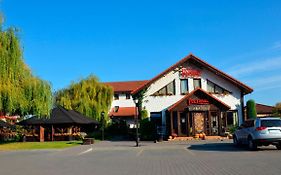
(147, 130)
(277, 109)
(21, 92)
(87, 96)
(144, 114)
(233, 128)
(117, 127)
(140, 96)
(39, 145)
(251, 109)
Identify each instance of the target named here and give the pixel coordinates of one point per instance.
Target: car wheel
(278, 146)
(236, 141)
(251, 144)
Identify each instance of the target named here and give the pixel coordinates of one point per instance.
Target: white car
(259, 132)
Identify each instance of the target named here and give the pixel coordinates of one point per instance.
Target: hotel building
(188, 98)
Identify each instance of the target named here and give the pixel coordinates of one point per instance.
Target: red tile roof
(123, 112)
(264, 109)
(246, 89)
(126, 86)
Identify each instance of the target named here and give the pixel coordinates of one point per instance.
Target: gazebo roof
(60, 115)
(32, 121)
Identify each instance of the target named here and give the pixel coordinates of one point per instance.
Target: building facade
(188, 98)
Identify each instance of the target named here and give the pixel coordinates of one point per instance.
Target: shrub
(147, 130)
(251, 109)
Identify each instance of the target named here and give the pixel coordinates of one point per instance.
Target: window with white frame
(184, 86)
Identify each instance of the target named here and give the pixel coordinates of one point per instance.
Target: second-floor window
(167, 90)
(116, 96)
(184, 86)
(196, 83)
(128, 96)
(216, 89)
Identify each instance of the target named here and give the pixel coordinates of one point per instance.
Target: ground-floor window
(156, 117)
(232, 118)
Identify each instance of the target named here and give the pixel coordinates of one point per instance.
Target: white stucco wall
(123, 102)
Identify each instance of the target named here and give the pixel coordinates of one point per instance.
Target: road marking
(190, 152)
(84, 152)
(139, 153)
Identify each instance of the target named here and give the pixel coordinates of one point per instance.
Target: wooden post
(220, 124)
(172, 122)
(52, 134)
(179, 128)
(188, 124)
(41, 134)
(210, 123)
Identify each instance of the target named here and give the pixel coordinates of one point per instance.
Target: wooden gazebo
(63, 124)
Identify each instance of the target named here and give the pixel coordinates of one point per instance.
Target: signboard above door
(199, 108)
(197, 102)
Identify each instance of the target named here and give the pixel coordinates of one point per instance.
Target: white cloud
(258, 66)
(277, 45)
(266, 82)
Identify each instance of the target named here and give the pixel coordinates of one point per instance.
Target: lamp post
(137, 122)
(102, 125)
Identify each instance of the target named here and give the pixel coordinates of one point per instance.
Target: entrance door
(183, 124)
(198, 120)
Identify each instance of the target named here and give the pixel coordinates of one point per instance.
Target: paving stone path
(165, 158)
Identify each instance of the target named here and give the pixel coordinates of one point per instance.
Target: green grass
(38, 145)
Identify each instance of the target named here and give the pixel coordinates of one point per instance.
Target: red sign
(189, 72)
(198, 102)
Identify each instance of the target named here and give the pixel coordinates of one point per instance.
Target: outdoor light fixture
(137, 122)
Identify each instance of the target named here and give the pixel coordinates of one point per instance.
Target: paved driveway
(122, 158)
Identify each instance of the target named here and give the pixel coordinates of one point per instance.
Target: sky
(66, 40)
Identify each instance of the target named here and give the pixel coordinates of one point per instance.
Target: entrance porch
(198, 112)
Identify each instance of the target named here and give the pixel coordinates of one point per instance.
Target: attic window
(216, 89)
(167, 90)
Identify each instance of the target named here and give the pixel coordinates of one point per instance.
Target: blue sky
(66, 40)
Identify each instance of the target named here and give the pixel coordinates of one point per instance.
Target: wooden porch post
(220, 124)
(171, 120)
(41, 134)
(188, 124)
(210, 123)
(179, 128)
(52, 134)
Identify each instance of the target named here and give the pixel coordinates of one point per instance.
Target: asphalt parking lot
(165, 158)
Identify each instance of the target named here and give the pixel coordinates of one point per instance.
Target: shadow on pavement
(226, 147)
(223, 147)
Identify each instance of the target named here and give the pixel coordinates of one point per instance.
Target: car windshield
(271, 123)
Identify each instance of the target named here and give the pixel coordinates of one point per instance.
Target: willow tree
(88, 96)
(21, 92)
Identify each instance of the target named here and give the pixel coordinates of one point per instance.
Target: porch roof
(202, 93)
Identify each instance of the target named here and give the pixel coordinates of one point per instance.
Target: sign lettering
(197, 101)
(189, 72)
